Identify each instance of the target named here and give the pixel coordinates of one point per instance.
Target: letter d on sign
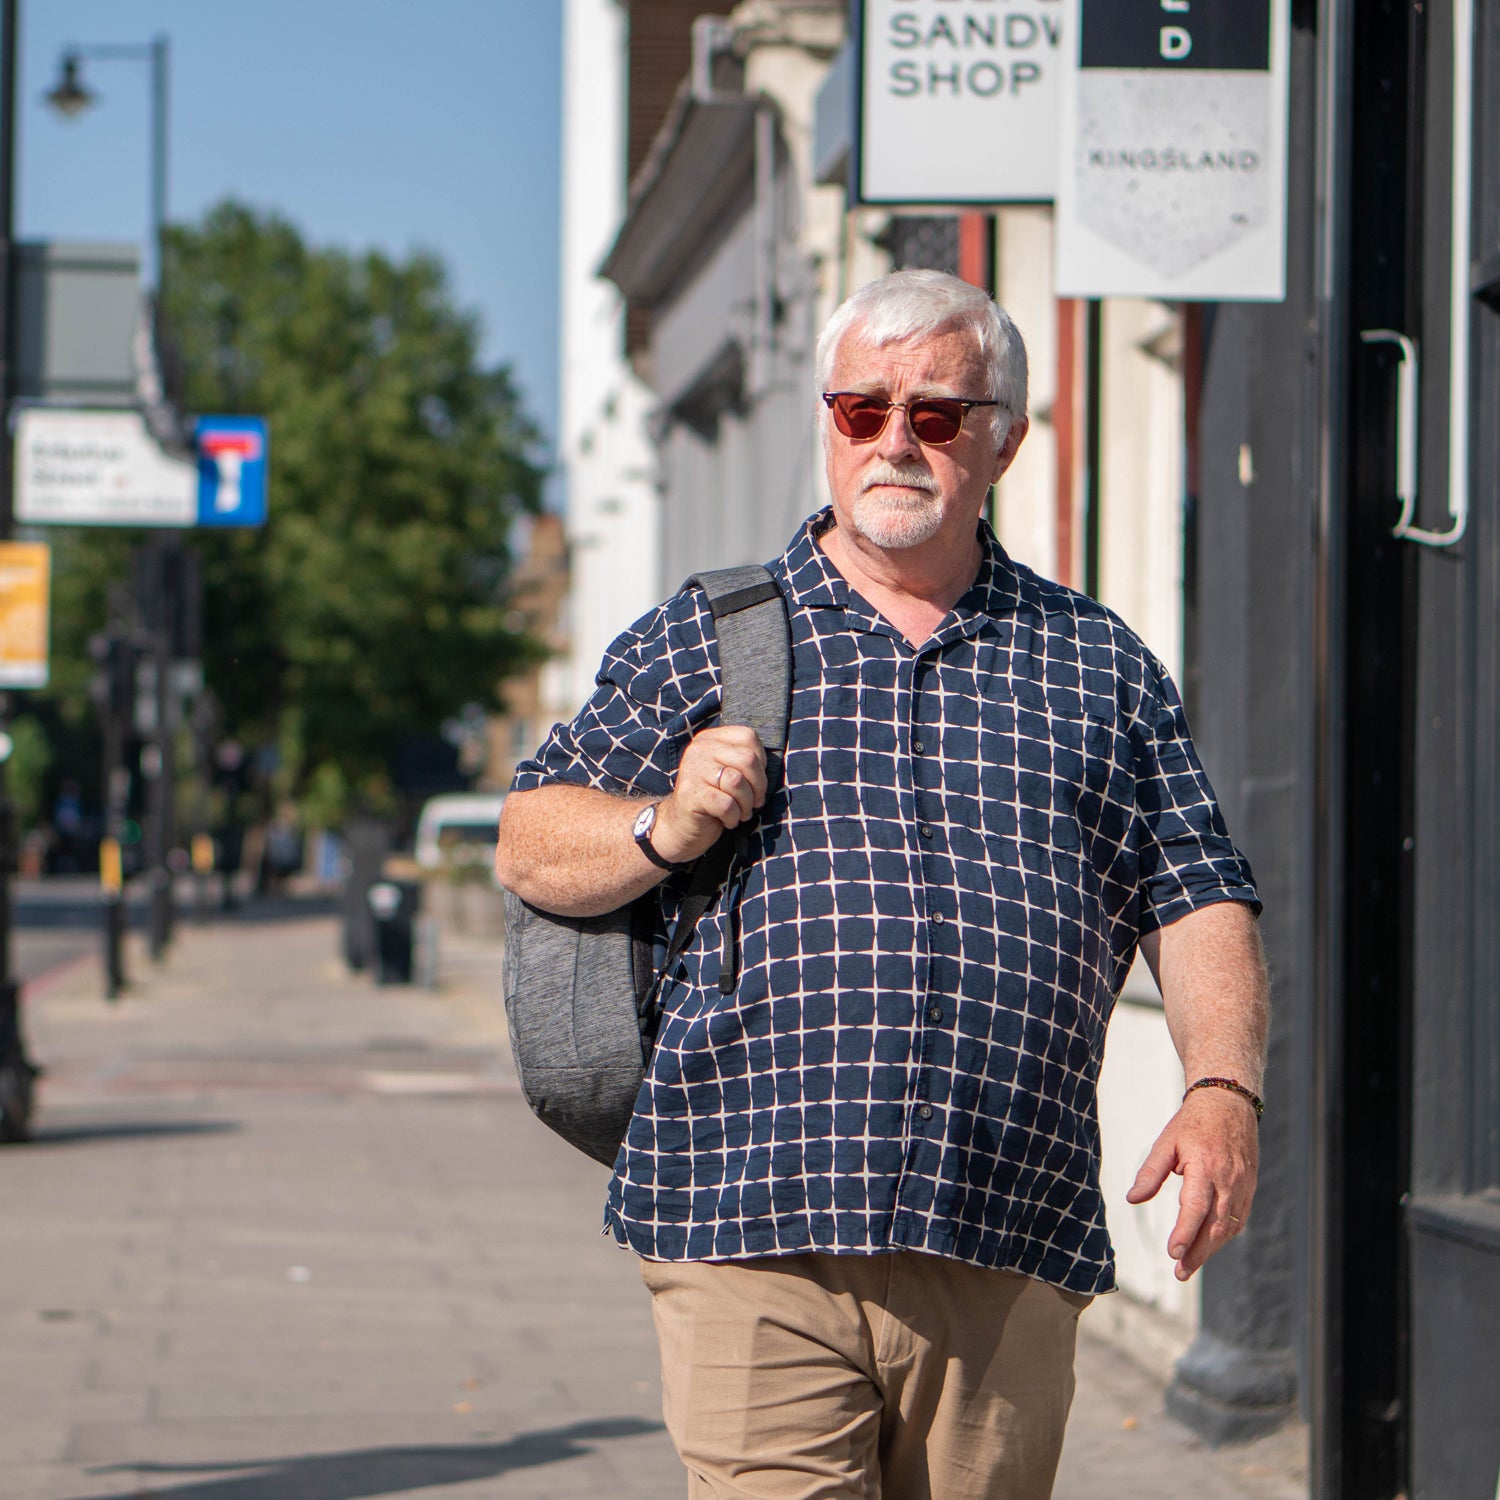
(1175, 43)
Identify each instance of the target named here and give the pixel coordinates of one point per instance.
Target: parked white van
(458, 828)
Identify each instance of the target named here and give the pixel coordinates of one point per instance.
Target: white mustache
(908, 476)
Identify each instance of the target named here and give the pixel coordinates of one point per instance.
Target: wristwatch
(645, 823)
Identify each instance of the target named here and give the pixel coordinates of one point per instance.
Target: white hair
(910, 305)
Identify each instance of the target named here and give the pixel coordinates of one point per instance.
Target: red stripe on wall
(976, 260)
(1066, 426)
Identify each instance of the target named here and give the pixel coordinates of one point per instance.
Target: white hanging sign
(1173, 150)
(98, 468)
(958, 100)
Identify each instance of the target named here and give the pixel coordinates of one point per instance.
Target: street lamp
(70, 97)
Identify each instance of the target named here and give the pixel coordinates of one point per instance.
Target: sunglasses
(936, 420)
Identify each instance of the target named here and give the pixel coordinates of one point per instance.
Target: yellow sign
(25, 587)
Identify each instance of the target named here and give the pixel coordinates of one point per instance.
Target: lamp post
(16, 1070)
(70, 96)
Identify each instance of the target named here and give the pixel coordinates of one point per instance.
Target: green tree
(374, 602)
(26, 769)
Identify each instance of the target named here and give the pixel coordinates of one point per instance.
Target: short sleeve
(1187, 859)
(657, 686)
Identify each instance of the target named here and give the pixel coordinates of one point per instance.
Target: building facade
(610, 470)
(727, 255)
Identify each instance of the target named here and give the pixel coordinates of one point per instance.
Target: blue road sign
(233, 464)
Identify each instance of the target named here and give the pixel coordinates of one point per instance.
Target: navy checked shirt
(945, 899)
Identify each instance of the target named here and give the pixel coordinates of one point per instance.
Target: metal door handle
(1407, 374)
(1406, 422)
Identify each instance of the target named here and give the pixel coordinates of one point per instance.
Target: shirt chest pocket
(844, 743)
(1045, 760)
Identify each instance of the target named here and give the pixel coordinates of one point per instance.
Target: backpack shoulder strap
(755, 655)
(755, 673)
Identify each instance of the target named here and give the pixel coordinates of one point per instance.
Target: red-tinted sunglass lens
(936, 421)
(860, 417)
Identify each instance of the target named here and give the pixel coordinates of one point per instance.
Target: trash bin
(393, 906)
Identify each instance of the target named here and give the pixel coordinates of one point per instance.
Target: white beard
(892, 521)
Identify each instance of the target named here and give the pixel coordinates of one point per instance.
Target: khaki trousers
(904, 1376)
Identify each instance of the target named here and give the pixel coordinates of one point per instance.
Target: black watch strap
(643, 838)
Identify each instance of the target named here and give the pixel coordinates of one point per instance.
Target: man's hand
(1213, 1144)
(720, 782)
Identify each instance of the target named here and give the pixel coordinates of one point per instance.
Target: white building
(609, 462)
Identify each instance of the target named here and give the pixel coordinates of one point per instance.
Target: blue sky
(392, 124)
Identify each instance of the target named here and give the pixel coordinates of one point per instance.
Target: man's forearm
(1211, 970)
(569, 850)
(1212, 976)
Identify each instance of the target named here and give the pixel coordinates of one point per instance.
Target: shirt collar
(812, 579)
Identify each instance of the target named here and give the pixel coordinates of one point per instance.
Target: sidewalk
(287, 1235)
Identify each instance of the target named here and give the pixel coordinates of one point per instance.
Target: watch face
(646, 821)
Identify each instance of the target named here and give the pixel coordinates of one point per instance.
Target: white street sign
(958, 100)
(1173, 180)
(98, 468)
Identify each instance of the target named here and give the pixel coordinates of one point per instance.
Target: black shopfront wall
(1452, 1217)
(1349, 707)
(1406, 1262)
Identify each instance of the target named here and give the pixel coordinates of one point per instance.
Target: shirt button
(925, 830)
(934, 1012)
(938, 919)
(916, 747)
(925, 1111)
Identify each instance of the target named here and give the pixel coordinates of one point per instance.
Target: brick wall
(660, 50)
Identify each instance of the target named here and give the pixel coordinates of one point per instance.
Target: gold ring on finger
(1234, 1220)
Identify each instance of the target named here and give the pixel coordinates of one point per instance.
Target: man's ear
(1003, 459)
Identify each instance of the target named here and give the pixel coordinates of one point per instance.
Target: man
(864, 1184)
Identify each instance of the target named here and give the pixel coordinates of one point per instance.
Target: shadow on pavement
(370, 1472)
(91, 1132)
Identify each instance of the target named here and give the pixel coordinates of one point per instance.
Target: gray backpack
(581, 992)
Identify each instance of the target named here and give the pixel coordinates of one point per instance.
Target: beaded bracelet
(1235, 1086)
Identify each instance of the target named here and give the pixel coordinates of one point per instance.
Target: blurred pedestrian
(865, 1184)
(74, 836)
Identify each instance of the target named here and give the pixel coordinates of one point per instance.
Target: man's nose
(897, 440)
